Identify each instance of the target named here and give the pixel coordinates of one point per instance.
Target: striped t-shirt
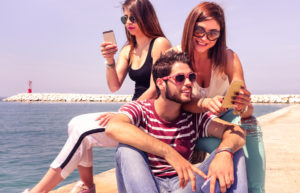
(181, 133)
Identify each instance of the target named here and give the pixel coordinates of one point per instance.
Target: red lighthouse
(29, 86)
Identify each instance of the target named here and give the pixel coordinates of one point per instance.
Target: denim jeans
(254, 150)
(134, 175)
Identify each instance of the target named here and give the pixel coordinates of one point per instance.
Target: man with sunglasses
(168, 134)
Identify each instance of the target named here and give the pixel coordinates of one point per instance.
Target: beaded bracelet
(229, 150)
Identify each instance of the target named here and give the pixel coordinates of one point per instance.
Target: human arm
(221, 167)
(120, 129)
(234, 71)
(115, 73)
(214, 105)
(160, 46)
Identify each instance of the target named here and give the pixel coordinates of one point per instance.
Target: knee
(126, 154)
(73, 123)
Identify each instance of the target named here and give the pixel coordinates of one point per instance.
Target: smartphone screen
(109, 36)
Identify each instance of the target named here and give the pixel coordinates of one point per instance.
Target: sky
(56, 43)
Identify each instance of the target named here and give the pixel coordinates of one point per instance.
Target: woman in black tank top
(142, 76)
(145, 43)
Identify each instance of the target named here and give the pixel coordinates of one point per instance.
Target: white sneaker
(81, 188)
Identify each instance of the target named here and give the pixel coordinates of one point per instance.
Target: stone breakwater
(69, 98)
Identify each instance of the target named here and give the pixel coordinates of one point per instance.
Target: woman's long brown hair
(203, 12)
(146, 18)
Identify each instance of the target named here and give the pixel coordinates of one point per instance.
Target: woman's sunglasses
(125, 17)
(212, 35)
(180, 78)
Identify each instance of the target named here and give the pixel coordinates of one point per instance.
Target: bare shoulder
(161, 43)
(124, 53)
(233, 66)
(160, 46)
(161, 40)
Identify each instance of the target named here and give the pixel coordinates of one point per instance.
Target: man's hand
(104, 118)
(184, 169)
(221, 168)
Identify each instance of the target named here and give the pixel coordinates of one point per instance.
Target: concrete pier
(281, 133)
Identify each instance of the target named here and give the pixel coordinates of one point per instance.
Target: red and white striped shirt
(181, 133)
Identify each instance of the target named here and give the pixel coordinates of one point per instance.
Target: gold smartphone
(235, 86)
(109, 36)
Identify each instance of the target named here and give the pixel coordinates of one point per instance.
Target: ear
(161, 84)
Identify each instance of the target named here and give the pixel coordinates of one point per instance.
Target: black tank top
(142, 76)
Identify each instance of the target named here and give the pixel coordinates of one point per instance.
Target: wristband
(229, 150)
(112, 65)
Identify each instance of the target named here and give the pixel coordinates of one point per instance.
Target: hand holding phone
(109, 46)
(235, 86)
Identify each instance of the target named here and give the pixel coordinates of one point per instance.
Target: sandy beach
(281, 133)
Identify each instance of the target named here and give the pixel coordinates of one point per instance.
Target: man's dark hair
(163, 66)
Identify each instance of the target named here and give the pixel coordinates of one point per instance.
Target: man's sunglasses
(125, 17)
(180, 78)
(212, 35)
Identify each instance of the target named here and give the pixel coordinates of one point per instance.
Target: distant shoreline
(110, 98)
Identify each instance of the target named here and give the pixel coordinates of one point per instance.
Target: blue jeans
(134, 175)
(254, 150)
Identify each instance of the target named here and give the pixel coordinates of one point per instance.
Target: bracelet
(242, 111)
(112, 65)
(229, 150)
(201, 103)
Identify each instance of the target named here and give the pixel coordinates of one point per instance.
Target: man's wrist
(226, 149)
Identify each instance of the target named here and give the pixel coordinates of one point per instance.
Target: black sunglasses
(212, 35)
(180, 78)
(125, 17)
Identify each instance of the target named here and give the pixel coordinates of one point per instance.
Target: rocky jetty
(286, 99)
(70, 98)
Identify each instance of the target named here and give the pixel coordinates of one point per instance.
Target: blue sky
(55, 43)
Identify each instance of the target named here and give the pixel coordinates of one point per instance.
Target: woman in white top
(204, 40)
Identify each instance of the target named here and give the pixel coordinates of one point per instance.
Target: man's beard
(174, 97)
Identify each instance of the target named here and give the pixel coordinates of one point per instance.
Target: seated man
(167, 133)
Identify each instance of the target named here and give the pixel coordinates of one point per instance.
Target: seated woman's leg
(254, 150)
(255, 156)
(133, 172)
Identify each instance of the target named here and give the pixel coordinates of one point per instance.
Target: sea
(32, 134)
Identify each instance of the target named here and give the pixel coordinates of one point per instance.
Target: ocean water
(32, 134)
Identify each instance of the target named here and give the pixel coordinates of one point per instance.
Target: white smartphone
(109, 36)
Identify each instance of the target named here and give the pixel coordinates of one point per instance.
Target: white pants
(84, 133)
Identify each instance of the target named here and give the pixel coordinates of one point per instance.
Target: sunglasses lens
(213, 35)
(123, 19)
(179, 78)
(199, 31)
(192, 77)
(132, 19)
